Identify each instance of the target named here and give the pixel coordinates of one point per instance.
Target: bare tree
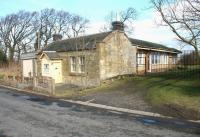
(126, 16)
(77, 26)
(14, 29)
(63, 20)
(47, 21)
(183, 18)
(59, 22)
(17, 31)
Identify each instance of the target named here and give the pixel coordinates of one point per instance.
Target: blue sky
(95, 10)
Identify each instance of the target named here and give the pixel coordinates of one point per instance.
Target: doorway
(57, 72)
(148, 62)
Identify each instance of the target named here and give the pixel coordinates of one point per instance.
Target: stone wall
(44, 85)
(117, 56)
(114, 56)
(91, 75)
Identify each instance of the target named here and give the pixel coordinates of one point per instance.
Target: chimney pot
(118, 25)
(57, 37)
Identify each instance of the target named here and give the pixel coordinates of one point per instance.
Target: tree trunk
(18, 56)
(197, 54)
(11, 54)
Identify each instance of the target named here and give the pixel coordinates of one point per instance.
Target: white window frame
(141, 58)
(73, 64)
(174, 60)
(46, 68)
(81, 64)
(152, 58)
(157, 58)
(166, 59)
(77, 64)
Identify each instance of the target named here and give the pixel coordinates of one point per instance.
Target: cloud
(95, 27)
(144, 29)
(148, 30)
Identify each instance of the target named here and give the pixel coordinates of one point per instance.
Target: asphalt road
(23, 115)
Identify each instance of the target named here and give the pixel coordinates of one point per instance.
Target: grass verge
(176, 94)
(173, 94)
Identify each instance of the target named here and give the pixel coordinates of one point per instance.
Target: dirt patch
(136, 100)
(133, 94)
(118, 98)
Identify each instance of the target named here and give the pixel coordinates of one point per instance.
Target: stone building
(88, 60)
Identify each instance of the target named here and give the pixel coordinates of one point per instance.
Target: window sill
(77, 74)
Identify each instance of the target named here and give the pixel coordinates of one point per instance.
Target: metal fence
(183, 65)
(170, 65)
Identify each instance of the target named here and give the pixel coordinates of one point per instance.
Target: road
(23, 115)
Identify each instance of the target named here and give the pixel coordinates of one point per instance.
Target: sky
(145, 26)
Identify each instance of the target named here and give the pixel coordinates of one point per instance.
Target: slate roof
(52, 55)
(29, 55)
(151, 45)
(74, 44)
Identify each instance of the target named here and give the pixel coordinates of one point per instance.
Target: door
(148, 62)
(57, 72)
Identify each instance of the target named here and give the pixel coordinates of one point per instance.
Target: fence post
(52, 86)
(34, 82)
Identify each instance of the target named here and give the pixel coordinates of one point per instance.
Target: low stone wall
(17, 81)
(44, 84)
(38, 84)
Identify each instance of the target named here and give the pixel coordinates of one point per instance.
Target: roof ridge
(67, 44)
(84, 36)
(152, 44)
(148, 41)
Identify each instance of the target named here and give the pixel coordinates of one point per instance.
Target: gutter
(152, 49)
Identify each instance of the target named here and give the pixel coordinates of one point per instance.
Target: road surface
(23, 115)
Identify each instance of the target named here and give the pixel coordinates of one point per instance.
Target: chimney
(118, 25)
(57, 37)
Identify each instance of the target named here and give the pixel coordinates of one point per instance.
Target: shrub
(3, 59)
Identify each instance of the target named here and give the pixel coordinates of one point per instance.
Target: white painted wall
(55, 69)
(44, 72)
(27, 67)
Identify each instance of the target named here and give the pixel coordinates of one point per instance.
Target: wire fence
(184, 65)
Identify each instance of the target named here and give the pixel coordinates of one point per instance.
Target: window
(152, 58)
(174, 60)
(81, 64)
(77, 64)
(156, 58)
(165, 59)
(46, 68)
(73, 64)
(140, 58)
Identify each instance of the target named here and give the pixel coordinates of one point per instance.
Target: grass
(12, 69)
(166, 88)
(1, 76)
(177, 91)
(122, 84)
(162, 91)
(180, 90)
(74, 92)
